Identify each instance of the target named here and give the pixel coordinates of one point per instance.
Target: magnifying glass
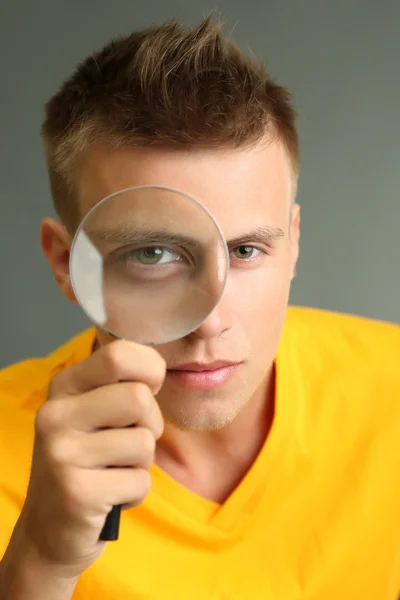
(149, 264)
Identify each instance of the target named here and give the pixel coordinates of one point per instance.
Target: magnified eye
(149, 263)
(152, 255)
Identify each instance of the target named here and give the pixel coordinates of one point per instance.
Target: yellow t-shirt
(317, 517)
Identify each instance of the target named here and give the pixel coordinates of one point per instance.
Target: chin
(187, 422)
(208, 415)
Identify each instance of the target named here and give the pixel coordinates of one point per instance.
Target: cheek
(261, 290)
(258, 300)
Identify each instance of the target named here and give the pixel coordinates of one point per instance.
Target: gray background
(341, 60)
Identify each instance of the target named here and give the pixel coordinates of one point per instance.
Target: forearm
(24, 577)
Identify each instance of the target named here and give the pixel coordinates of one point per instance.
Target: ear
(295, 237)
(56, 246)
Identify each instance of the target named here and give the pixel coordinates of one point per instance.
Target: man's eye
(152, 256)
(245, 252)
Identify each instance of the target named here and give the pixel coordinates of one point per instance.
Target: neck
(212, 463)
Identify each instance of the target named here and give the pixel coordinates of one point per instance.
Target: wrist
(24, 575)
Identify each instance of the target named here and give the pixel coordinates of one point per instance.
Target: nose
(217, 322)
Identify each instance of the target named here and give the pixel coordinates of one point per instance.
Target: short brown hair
(166, 86)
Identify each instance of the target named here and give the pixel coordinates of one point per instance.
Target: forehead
(242, 188)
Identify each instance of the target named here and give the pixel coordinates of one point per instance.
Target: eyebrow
(123, 235)
(264, 235)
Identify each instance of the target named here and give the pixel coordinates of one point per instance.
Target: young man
(265, 458)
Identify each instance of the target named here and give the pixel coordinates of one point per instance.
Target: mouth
(204, 376)
(199, 366)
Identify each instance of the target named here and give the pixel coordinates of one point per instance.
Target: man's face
(247, 191)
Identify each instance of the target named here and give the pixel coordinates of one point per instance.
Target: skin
(212, 437)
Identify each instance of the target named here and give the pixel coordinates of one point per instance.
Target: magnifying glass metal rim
(138, 187)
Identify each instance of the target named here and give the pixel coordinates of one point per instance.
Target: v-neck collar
(259, 479)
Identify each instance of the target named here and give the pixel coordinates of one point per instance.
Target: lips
(197, 366)
(203, 376)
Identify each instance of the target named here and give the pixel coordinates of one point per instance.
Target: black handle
(110, 531)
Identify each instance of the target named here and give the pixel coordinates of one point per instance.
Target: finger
(112, 406)
(133, 447)
(125, 486)
(102, 489)
(119, 361)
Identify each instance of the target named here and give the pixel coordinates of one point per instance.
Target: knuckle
(58, 450)
(50, 416)
(142, 397)
(160, 426)
(140, 486)
(146, 441)
(74, 490)
(158, 364)
(114, 356)
(143, 482)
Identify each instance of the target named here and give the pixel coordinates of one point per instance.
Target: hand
(70, 491)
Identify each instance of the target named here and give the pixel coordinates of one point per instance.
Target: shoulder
(342, 337)
(28, 379)
(17, 379)
(323, 321)
(345, 410)
(346, 364)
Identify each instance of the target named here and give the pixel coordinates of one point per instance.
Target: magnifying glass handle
(110, 530)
